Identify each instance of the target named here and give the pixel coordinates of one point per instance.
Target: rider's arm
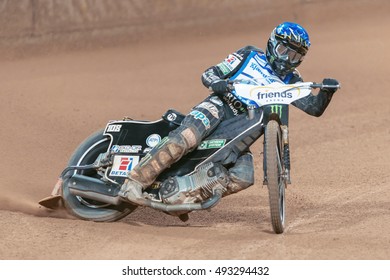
(315, 105)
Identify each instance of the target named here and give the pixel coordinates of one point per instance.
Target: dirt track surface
(338, 205)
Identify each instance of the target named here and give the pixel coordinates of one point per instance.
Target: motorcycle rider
(286, 49)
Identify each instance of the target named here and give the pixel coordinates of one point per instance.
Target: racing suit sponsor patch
(202, 117)
(224, 68)
(216, 101)
(209, 107)
(230, 63)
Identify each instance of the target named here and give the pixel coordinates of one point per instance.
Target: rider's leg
(199, 123)
(241, 175)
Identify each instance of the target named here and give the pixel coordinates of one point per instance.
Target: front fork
(286, 157)
(286, 153)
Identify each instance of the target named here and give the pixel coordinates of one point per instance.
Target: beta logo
(123, 164)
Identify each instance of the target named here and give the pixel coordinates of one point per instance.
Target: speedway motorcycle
(88, 187)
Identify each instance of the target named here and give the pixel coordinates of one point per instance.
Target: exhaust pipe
(95, 189)
(211, 202)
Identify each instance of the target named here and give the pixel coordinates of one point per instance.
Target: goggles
(287, 54)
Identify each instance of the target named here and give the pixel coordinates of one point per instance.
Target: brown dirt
(338, 205)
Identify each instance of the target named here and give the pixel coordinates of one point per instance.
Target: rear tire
(274, 174)
(88, 209)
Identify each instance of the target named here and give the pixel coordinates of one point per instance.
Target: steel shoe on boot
(132, 191)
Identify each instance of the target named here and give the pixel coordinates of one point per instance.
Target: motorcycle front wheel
(88, 209)
(274, 174)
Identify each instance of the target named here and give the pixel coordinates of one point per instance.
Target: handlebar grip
(316, 85)
(321, 86)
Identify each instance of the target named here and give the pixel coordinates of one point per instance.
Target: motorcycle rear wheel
(274, 173)
(88, 209)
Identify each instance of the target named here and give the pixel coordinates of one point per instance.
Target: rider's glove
(330, 82)
(219, 86)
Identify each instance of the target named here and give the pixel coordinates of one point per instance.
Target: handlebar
(313, 85)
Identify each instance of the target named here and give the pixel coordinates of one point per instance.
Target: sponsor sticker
(171, 117)
(130, 149)
(212, 144)
(153, 140)
(123, 164)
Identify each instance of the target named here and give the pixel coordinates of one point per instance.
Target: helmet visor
(287, 54)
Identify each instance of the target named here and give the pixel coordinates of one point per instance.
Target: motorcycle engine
(196, 187)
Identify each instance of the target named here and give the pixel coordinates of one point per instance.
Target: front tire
(88, 209)
(275, 175)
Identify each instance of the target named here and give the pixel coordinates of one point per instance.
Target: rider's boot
(235, 185)
(241, 175)
(167, 152)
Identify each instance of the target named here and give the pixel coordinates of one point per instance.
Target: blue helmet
(286, 47)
